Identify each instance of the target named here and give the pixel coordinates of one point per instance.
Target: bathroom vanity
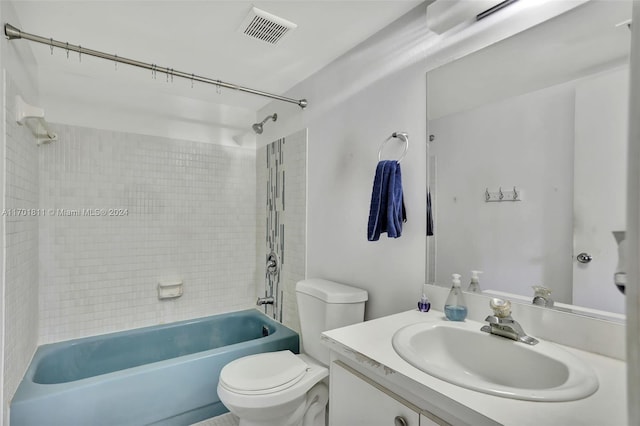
(371, 384)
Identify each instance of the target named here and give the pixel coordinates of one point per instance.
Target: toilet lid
(263, 373)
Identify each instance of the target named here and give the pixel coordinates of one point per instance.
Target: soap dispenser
(474, 285)
(423, 304)
(455, 308)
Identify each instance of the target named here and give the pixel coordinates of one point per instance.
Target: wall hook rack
(500, 195)
(28, 115)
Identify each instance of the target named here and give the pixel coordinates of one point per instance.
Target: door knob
(584, 257)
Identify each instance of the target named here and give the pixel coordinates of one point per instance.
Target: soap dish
(170, 290)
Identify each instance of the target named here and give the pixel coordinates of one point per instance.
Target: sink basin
(461, 354)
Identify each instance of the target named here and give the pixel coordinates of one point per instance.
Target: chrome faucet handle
(272, 263)
(501, 308)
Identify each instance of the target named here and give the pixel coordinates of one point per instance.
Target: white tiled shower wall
(285, 158)
(187, 213)
(21, 247)
(296, 224)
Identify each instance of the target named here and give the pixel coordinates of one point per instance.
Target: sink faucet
(502, 324)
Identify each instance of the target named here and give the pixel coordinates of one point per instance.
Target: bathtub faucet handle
(273, 263)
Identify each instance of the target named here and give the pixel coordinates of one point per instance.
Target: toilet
(284, 389)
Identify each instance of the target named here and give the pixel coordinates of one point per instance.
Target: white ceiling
(198, 37)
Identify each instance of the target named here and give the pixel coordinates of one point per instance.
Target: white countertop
(368, 344)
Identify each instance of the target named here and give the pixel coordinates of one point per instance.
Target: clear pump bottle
(455, 308)
(474, 285)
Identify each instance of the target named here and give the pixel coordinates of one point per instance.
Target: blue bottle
(455, 308)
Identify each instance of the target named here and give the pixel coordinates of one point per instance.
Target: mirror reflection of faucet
(542, 296)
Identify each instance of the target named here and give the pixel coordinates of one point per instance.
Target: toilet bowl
(285, 389)
(275, 389)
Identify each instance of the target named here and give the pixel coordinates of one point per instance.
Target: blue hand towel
(387, 212)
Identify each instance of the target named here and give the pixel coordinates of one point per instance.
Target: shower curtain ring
(79, 53)
(67, 50)
(51, 45)
(115, 62)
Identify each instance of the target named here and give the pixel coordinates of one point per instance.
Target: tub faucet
(502, 324)
(265, 301)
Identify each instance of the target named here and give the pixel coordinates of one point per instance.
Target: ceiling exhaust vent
(264, 26)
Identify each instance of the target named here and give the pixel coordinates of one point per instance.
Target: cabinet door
(355, 400)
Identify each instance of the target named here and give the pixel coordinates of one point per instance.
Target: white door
(600, 169)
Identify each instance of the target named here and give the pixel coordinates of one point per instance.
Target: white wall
(189, 215)
(21, 247)
(19, 175)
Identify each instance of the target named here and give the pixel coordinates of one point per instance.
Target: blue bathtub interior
(163, 375)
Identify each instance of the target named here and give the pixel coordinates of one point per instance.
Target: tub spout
(265, 301)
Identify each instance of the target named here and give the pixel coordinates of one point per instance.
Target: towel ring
(404, 137)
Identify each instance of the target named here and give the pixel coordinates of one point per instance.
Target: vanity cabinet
(356, 400)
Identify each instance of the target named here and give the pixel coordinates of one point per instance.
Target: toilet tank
(324, 305)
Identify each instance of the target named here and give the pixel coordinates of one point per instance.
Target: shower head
(257, 127)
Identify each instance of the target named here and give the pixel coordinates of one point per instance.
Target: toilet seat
(282, 393)
(264, 373)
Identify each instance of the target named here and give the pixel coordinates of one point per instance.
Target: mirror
(543, 112)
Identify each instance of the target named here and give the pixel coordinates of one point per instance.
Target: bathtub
(164, 375)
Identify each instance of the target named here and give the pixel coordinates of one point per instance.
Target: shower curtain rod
(14, 33)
